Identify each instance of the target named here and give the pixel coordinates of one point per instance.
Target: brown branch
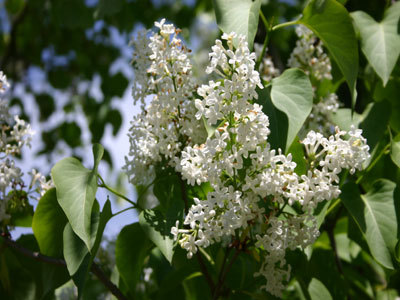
(204, 270)
(95, 269)
(222, 281)
(221, 272)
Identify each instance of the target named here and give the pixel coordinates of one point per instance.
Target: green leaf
(317, 290)
(77, 256)
(375, 215)
(387, 294)
(278, 121)
(397, 251)
(158, 230)
(76, 190)
(291, 93)
(131, 249)
(106, 8)
(380, 42)
(75, 250)
(395, 151)
(48, 224)
(344, 118)
(297, 151)
(331, 22)
(14, 6)
(239, 16)
(375, 120)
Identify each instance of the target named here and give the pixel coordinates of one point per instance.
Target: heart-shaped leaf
(375, 215)
(239, 16)
(291, 93)
(380, 42)
(76, 190)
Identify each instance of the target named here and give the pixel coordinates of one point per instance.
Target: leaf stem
(221, 272)
(121, 211)
(104, 185)
(222, 281)
(294, 22)
(205, 272)
(332, 207)
(266, 40)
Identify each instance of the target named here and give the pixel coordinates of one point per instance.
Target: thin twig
(95, 269)
(220, 284)
(204, 270)
(266, 40)
(104, 185)
(221, 272)
(294, 22)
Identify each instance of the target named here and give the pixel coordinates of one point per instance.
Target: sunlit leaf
(380, 42)
(291, 93)
(76, 190)
(239, 16)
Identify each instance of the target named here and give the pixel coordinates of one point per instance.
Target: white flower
(168, 123)
(4, 85)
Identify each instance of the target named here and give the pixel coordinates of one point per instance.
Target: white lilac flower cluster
(15, 133)
(253, 186)
(163, 74)
(251, 182)
(309, 56)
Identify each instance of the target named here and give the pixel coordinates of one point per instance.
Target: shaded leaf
(331, 22)
(158, 231)
(131, 249)
(77, 256)
(395, 151)
(48, 224)
(375, 215)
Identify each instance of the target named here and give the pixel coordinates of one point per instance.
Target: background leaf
(131, 249)
(317, 290)
(380, 42)
(331, 22)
